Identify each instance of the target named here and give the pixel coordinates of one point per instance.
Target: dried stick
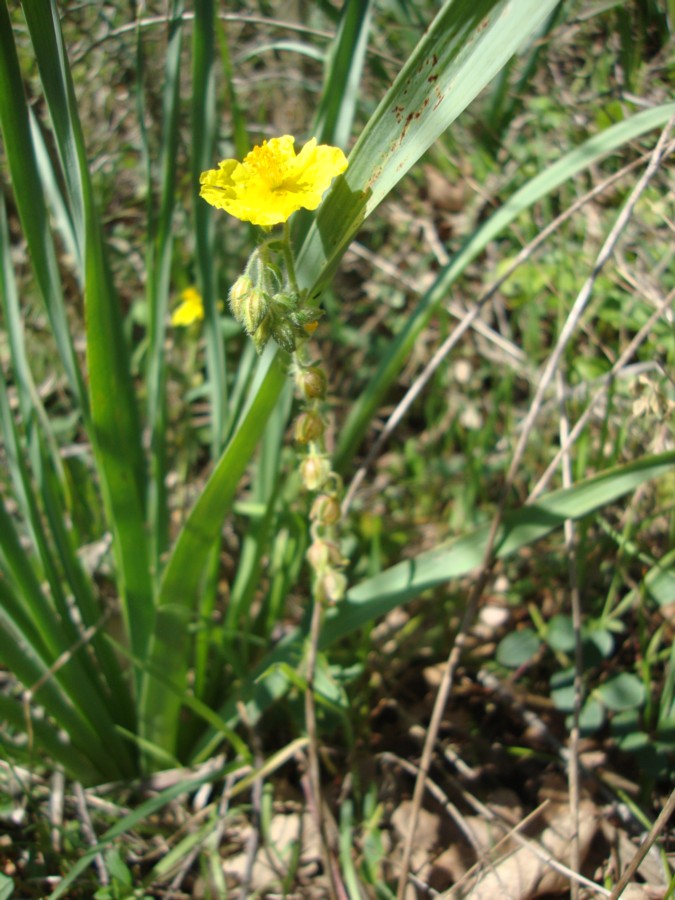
(487, 564)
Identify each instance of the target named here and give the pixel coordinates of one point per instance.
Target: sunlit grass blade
(374, 597)
(464, 47)
(116, 430)
(552, 177)
(23, 169)
(186, 568)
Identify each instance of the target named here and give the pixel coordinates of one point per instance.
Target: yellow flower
(190, 310)
(273, 182)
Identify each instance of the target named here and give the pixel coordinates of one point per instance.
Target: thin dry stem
(550, 369)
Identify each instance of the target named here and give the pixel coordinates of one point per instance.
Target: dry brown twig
(568, 329)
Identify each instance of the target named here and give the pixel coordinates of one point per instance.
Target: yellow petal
(272, 182)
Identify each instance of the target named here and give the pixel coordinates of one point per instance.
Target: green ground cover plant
(437, 386)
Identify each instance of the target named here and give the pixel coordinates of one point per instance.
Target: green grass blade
(184, 573)
(76, 763)
(45, 461)
(159, 256)
(116, 431)
(203, 142)
(239, 122)
(204, 132)
(133, 819)
(25, 176)
(340, 90)
(547, 181)
(256, 541)
(63, 222)
(43, 22)
(376, 596)
(38, 637)
(465, 46)
(344, 66)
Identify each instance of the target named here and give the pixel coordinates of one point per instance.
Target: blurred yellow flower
(273, 182)
(190, 310)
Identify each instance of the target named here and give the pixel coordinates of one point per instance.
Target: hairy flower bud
(262, 335)
(239, 291)
(325, 510)
(331, 587)
(323, 555)
(312, 382)
(308, 427)
(314, 471)
(284, 334)
(254, 310)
